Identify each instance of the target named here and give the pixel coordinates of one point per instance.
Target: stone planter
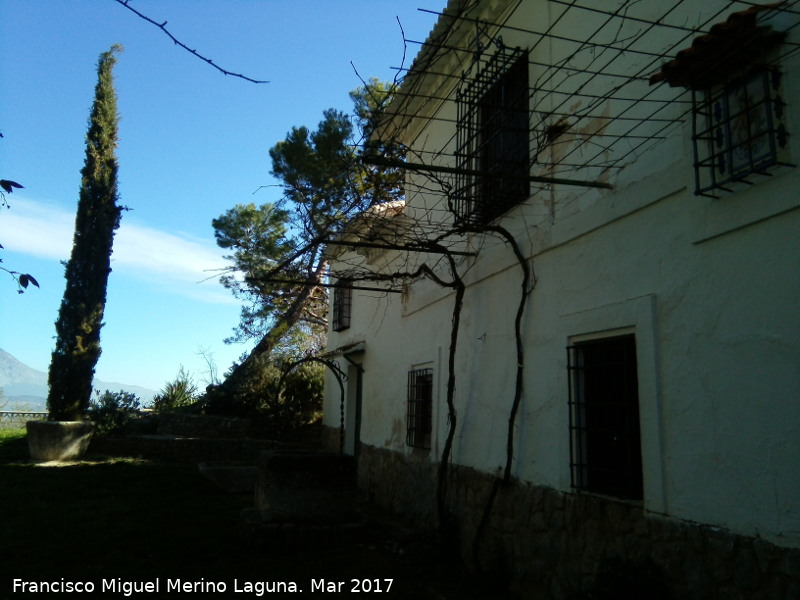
(59, 440)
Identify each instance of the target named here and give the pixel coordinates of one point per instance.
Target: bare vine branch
(177, 42)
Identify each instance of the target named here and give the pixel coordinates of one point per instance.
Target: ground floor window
(605, 441)
(420, 408)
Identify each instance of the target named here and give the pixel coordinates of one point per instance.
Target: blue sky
(193, 143)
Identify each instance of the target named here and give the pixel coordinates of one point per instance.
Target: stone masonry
(550, 544)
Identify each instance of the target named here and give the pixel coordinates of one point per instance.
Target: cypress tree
(81, 313)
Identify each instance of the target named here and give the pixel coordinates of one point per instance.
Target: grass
(12, 434)
(136, 520)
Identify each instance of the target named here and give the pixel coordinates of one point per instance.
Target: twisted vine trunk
(528, 281)
(444, 464)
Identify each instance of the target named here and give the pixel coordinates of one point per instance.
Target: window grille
(492, 139)
(342, 303)
(738, 131)
(420, 408)
(605, 443)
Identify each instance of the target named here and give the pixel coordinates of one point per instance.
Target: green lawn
(137, 521)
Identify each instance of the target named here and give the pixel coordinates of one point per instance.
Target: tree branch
(163, 27)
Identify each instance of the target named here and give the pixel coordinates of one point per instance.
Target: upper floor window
(605, 441)
(739, 130)
(493, 150)
(342, 304)
(738, 108)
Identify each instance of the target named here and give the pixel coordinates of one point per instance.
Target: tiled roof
(728, 47)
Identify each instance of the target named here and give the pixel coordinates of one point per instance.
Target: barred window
(605, 441)
(420, 408)
(493, 150)
(342, 303)
(739, 130)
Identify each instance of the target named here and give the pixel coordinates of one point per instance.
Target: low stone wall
(177, 437)
(169, 448)
(550, 544)
(203, 426)
(330, 438)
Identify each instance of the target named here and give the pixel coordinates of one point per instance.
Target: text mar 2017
(352, 586)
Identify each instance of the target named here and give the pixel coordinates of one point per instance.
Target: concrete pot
(59, 440)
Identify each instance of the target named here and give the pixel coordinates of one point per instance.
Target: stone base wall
(404, 486)
(544, 543)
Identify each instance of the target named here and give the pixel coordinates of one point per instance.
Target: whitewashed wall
(710, 288)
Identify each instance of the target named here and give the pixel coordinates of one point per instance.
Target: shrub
(280, 401)
(290, 400)
(111, 411)
(300, 400)
(176, 394)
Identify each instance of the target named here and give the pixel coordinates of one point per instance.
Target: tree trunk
(229, 396)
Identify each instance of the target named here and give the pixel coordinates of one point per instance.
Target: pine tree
(81, 314)
(326, 184)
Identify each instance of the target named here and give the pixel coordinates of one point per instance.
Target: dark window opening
(419, 415)
(342, 303)
(605, 441)
(493, 151)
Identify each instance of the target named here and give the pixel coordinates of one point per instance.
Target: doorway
(352, 425)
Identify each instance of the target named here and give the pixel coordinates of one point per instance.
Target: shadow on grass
(138, 521)
(114, 519)
(13, 445)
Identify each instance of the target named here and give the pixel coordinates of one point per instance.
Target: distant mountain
(25, 387)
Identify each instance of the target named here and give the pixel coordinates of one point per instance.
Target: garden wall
(177, 449)
(203, 426)
(182, 437)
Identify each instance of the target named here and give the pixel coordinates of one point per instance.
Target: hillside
(26, 388)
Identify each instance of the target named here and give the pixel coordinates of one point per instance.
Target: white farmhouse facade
(639, 419)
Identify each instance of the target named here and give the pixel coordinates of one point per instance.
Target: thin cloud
(38, 230)
(182, 264)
